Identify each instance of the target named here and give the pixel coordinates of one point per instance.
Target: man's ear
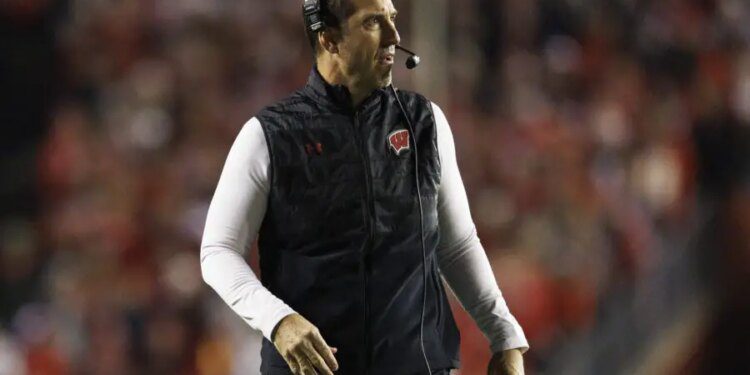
(329, 38)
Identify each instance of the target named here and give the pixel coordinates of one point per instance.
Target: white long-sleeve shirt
(239, 205)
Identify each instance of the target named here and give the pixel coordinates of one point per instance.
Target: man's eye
(372, 21)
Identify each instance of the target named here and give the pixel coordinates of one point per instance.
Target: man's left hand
(508, 362)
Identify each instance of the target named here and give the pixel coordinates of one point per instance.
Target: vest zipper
(364, 261)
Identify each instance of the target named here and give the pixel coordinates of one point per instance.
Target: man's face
(368, 41)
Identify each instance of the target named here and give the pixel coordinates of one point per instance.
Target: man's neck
(332, 73)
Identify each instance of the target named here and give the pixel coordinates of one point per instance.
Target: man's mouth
(386, 58)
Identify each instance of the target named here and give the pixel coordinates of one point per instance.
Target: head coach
(353, 192)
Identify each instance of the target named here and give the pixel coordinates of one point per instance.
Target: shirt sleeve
(234, 217)
(461, 257)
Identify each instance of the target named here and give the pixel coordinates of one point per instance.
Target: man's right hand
(302, 347)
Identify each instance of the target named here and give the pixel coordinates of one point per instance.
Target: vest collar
(337, 95)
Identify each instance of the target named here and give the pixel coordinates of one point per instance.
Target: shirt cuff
(519, 343)
(269, 325)
(499, 326)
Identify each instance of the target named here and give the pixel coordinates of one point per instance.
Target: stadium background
(603, 143)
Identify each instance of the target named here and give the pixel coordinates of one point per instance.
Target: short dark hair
(333, 12)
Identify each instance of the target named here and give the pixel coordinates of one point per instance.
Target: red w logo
(399, 140)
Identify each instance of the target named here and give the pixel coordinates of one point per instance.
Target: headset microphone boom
(413, 60)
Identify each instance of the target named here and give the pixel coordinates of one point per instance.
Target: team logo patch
(399, 140)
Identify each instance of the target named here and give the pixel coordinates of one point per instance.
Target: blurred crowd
(603, 145)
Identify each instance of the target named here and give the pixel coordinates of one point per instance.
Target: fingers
(306, 367)
(299, 357)
(292, 362)
(304, 359)
(316, 360)
(324, 351)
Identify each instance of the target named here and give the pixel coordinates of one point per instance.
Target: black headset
(315, 16)
(313, 13)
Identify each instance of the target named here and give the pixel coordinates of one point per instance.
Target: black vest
(340, 242)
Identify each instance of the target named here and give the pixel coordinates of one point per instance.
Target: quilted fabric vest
(340, 242)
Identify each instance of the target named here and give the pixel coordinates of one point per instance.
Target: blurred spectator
(589, 136)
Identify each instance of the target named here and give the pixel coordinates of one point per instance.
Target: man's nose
(391, 36)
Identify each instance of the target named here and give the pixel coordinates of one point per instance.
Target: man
(326, 179)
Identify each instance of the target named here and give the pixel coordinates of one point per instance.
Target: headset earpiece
(313, 15)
